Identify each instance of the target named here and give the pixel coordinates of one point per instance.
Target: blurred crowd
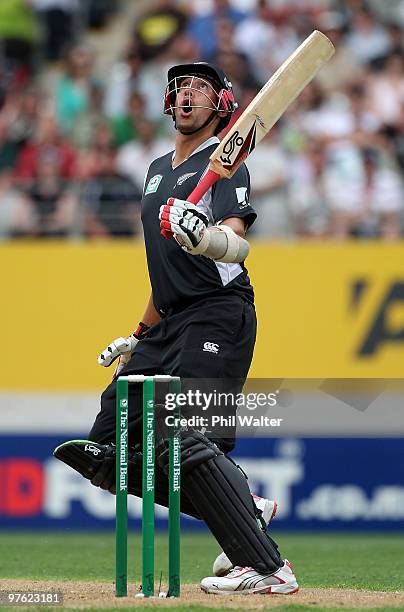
(74, 148)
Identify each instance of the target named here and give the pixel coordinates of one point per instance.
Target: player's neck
(185, 144)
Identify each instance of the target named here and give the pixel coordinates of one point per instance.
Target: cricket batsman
(199, 323)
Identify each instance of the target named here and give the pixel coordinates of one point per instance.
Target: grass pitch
(323, 563)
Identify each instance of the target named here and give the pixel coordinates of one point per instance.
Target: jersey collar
(210, 141)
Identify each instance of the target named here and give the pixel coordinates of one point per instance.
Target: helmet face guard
(222, 100)
(192, 78)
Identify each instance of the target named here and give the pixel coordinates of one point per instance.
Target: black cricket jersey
(178, 278)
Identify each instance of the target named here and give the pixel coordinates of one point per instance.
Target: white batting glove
(121, 348)
(118, 347)
(185, 220)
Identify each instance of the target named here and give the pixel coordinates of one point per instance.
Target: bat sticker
(228, 149)
(245, 148)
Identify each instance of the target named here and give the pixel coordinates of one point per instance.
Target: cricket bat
(264, 111)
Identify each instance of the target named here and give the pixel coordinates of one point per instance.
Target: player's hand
(185, 220)
(120, 347)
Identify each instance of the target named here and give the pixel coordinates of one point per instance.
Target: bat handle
(203, 186)
(206, 182)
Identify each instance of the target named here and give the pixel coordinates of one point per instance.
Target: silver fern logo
(184, 178)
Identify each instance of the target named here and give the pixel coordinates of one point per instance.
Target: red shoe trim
(281, 581)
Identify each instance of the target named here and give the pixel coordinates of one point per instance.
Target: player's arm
(237, 225)
(222, 237)
(189, 225)
(151, 315)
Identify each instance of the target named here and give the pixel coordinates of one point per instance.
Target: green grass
(372, 562)
(320, 560)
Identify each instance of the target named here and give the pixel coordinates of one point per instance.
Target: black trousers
(208, 344)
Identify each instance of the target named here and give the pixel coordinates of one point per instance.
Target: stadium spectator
(238, 69)
(224, 38)
(50, 200)
(396, 37)
(8, 148)
(368, 40)
(135, 157)
(372, 198)
(268, 172)
(57, 17)
(47, 142)
(356, 104)
(183, 50)
(15, 217)
(255, 38)
(87, 159)
(124, 127)
(20, 114)
(180, 51)
(336, 76)
(235, 63)
(103, 137)
(110, 201)
(265, 45)
(87, 123)
(72, 95)
(204, 27)
(394, 140)
(129, 76)
(364, 124)
(330, 118)
(125, 77)
(307, 199)
(383, 194)
(386, 90)
(349, 8)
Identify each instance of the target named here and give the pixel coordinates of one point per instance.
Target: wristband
(141, 330)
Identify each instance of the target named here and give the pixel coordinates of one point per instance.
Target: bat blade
(270, 103)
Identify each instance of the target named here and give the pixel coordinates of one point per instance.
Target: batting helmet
(216, 77)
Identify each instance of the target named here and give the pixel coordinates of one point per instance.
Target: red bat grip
(202, 187)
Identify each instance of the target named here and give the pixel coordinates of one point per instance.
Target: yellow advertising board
(324, 310)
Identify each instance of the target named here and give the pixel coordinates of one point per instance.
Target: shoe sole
(262, 591)
(271, 592)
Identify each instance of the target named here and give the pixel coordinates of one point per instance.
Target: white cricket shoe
(268, 507)
(245, 580)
